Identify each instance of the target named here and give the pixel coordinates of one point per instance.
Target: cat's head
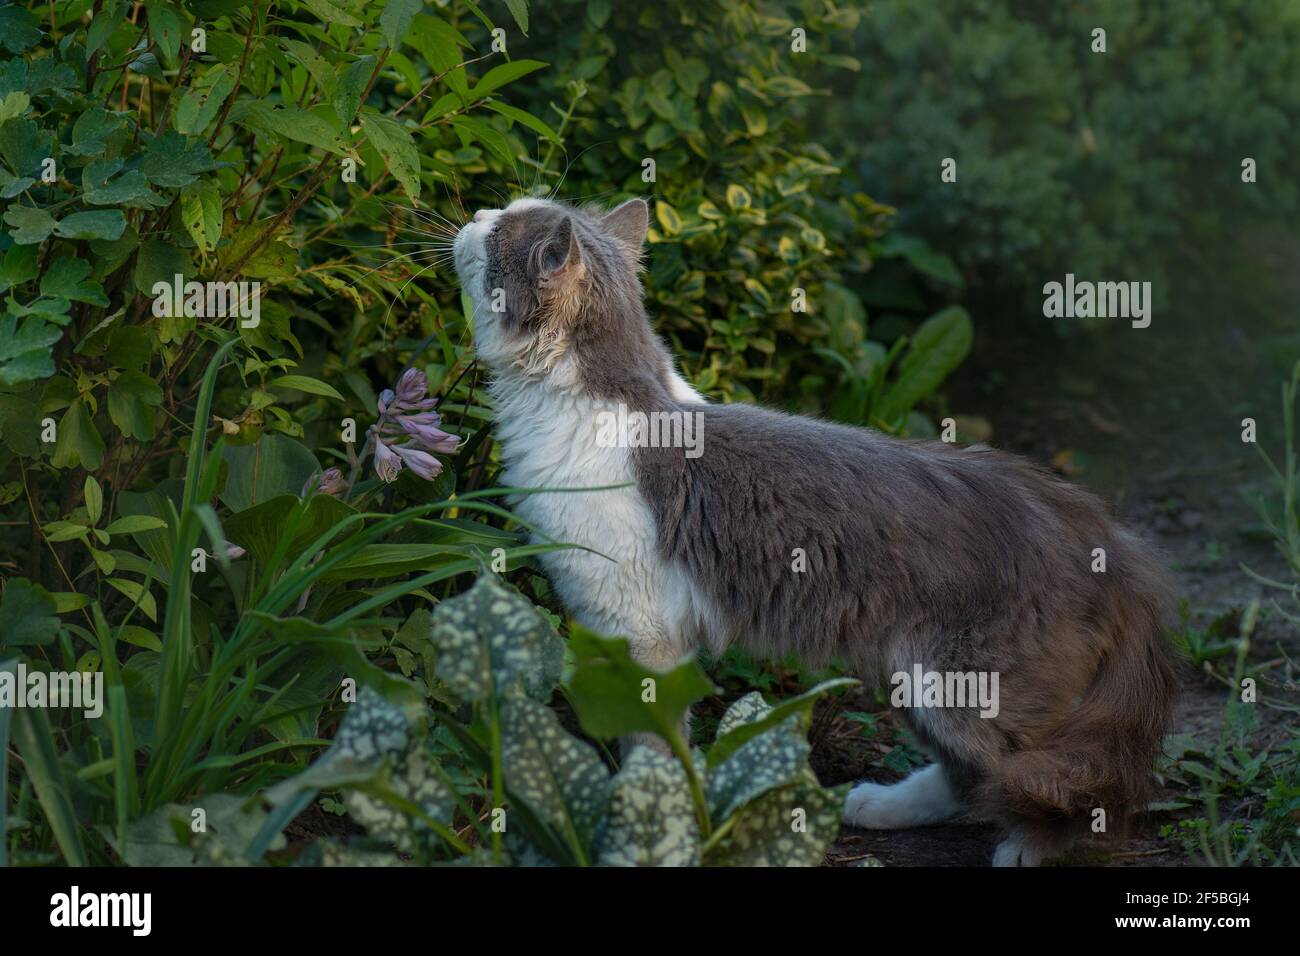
(550, 280)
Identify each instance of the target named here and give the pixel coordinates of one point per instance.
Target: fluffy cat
(914, 552)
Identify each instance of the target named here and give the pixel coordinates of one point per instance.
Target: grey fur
(917, 552)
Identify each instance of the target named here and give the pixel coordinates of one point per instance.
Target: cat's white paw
(923, 798)
(1017, 850)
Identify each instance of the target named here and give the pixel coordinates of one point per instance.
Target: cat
(915, 554)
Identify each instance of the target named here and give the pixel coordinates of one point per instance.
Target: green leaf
(492, 640)
(561, 779)
(134, 524)
(91, 131)
(304, 383)
(201, 213)
(351, 84)
(393, 142)
(34, 742)
(14, 104)
(793, 825)
(519, 10)
(262, 528)
(316, 127)
(751, 716)
(502, 74)
(611, 692)
(771, 759)
(25, 146)
(396, 20)
(668, 218)
(66, 278)
(19, 29)
(131, 400)
(173, 161)
(202, 101)
(651, 818)
(939, 346)
(275, 465)
(30, 224)
(166, 28)
(94, 499)
(138, 593)
(26, 615)
(105, 224)
(344, 12)
(167, 837)
(25, 351)
(79, 443)
(19, 266)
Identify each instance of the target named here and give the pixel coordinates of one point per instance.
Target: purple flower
(385, 400)
(387, 464)
(412, 387)
(424, 431)
(329, 482)
(420, 462)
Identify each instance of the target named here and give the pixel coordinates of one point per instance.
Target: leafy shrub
(186, 499)
(1070, 160)
(751, 210)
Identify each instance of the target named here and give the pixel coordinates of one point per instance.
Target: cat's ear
(628, 222)
(562, 259)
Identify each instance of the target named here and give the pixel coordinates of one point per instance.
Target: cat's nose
(480, 215)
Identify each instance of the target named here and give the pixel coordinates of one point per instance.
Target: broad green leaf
(651, 818)
(393, 142)
(167, 837)
(792, 825)
(30, 224)
(19, 29)
(502, 74)
(519, 10)
(79, 442)
(351, 84)
(262, 528)
(66, 278)
(751, 715)
(138, 593)
(173, 161)
(560, 778)
(91, 131)
(771, 759)
(105, 224)
(316, 127)
(131, 400)
(26, 614)
(939, 346)
(26, 350)
(492, 640)
(201, 213)
(396, 20)
(273, 466)
(614, 695)
(204, 98)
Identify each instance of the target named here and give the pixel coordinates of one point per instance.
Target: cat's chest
(556, 441)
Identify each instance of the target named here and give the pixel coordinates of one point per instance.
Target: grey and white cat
(917, 553)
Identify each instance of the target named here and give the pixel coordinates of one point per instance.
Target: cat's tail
(1100, 754)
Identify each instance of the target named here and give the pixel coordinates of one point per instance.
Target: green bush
(749, 207)
(223, 513)
(1110, 165)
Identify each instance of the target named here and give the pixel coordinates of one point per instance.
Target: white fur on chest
(548, 438)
